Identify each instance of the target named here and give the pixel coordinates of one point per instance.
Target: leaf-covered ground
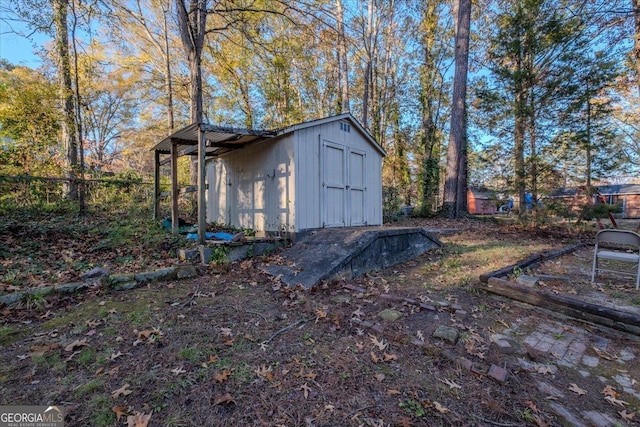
(238, 349)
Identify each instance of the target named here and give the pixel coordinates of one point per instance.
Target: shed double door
(343, 186)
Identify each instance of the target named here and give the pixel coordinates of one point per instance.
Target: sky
(18, 49)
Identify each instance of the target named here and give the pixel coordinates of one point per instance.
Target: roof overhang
(218, 139)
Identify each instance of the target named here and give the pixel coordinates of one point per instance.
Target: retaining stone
(498, 373)
(154, 276)
(120, 278)
(12, 298)
(188, 254)
(598, 419)
(528, 281)
(504, 346)
(125, 286)
(69, 288)
(447, 333)
(590, 361)
(186, 272)
(563, 412)
(94, 272)
(390, 315)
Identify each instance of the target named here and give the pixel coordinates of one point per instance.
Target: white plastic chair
(618, 246)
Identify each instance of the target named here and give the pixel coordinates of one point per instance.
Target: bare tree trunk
(78, 111)
(68, 124)
(343, 70)
(456, 168)
(636, 45)
(192, 25)
(588, 137)
(368, 71)
(167, 76)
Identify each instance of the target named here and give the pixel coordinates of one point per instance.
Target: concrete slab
(349, 252)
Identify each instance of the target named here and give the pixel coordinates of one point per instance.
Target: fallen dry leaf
(222, 376)
(212, 359)
(440, 408)
(264, 372)
(625, 415)
(40, 350)
(378, 343)
(148, 333)
(393, 392)
(574, 388)
(320, 314)
(179, 370)
(306, 389)
(309, 375)
(451, 384)
(226, 332)
(114, 356)
(122, 391)
(138, 420)
(615, 401)
(120, 411)
(603, 354)
(223, 400)
(76, 344)
(610, 391)
(374, 357)
(380, 377)
(543, 369)
(388, 357)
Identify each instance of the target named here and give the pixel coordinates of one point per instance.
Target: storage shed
(316, 174)
(481, 201)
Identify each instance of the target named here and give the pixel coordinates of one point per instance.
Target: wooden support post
(174, 187)
(156, 185)
(202, 219)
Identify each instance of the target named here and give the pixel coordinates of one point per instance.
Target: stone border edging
(118, 282)
(530, 261)
(493, 282)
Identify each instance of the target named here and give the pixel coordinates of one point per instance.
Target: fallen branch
(285, 329)
(195, 292)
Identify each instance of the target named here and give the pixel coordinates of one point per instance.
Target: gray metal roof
(219, 139)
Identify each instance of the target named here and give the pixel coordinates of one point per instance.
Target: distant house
(481, 201)
(626, 194)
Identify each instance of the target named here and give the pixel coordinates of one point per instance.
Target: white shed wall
(313, 168)
(278, 185)
(254, 187)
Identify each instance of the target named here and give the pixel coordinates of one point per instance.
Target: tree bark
(192, 24)
(68, 124)
(636, 45)
(343, 70)
(167, 76)
(457, 136)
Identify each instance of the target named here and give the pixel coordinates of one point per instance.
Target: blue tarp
(210, 235)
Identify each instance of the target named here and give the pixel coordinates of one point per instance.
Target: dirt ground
(235, 348)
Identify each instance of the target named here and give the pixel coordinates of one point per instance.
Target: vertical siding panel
(290, 199)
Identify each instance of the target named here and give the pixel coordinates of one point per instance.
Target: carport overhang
(204, 141)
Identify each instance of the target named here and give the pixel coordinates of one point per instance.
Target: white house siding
(259, 185)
